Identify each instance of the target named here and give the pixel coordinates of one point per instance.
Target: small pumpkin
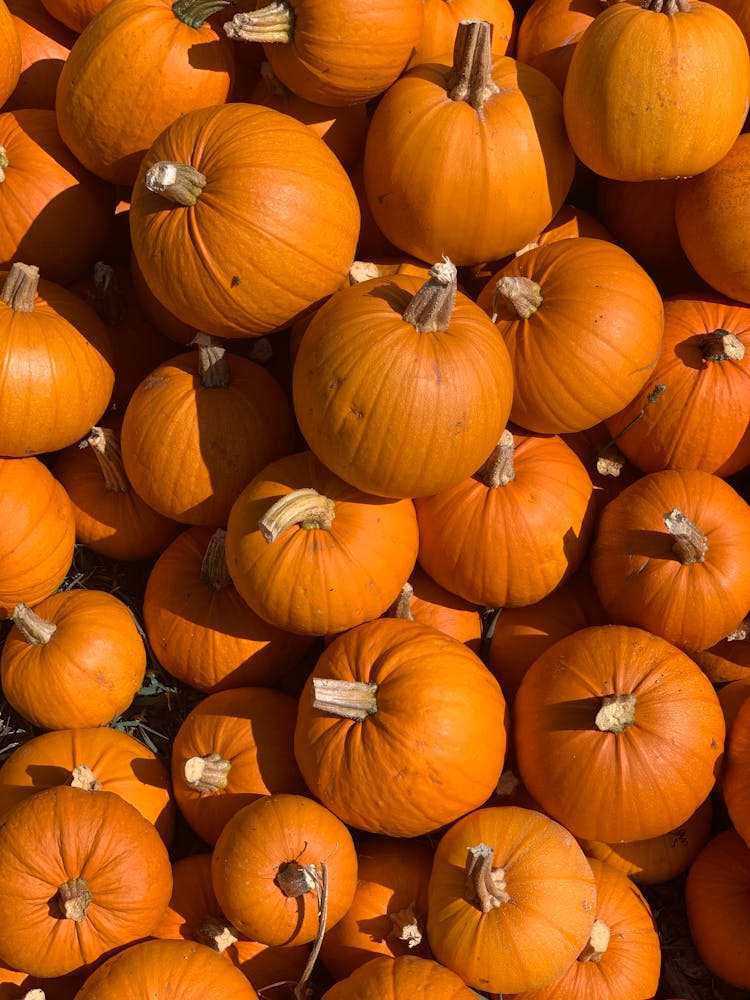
(407, 977)
(45, 44)
(441, 23)
(549, 32)
(10, 54)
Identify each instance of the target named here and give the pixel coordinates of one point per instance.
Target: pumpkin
(217, 234)
(74, 14)
(201, 630)
(198, 428)
(10, 54)
(388, 912)
(97, 123)
(16, 985)
(38, 536)
(513, 532)
(711, 213)
(610, 471)
(727, 660)
(732, 697)
(282, 867)
(657, 90)
(110, 516)
(618, 733)
(194, 914)
(376, 430)
(441, 23)
(549, 32)
(45, 44)
(716, 894)
(466, 200)
(671, 554)
(232, 748)
(156, 313)
(55, 364)
(357, 743)
(423, 600)
(172, 970)
(76, 661)
(337, 52)
(407, 977)
(93, 759)
(622, 958)
(311, 554)
(583, 323)
(511, 900)
(735, 787)
(706, 384)
(82, 873)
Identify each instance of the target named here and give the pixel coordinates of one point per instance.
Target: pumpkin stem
(346, 699)
(273, 23)
(207, 774)
(105, 444)
(321, 889)
(363, 270)
(213, 365)
(485, 885)
(4, 162)
(431, 307)
(194, 13)
(304, 507)
(656, 393)
(83, 777)
(597, 943)
(19, 287)
(670, 7)
(295, 879)
(32, 627)
(406, 927)
(470, 79)
(35, 994)
(214, 571)
(690, 545)
(741, 632)
(178, 182)
(216, 933)
(401, 607)
(498, 469)
(608, 461)
(107, 299)
(721, 345)
(520, 296)
(617, 713)
(74, 898)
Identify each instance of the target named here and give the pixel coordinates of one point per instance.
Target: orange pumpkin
(10, 54)
(603, 705)
(549, 32)
(83, 873)
(511, 901)
(424, 600)
(407, 977)
(735, 786)
(45, 44)
(357, 742)
(441, 21)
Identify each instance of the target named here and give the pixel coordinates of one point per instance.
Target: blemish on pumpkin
(235, 281)
(357, 413)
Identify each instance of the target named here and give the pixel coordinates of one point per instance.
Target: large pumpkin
(266, 226)
(657, 89)
(407, 977)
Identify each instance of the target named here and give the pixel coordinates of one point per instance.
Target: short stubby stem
(485, 886)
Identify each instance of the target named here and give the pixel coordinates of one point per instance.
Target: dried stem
(498, 469)
(273, 23)
(32, 627)
(177, 182)
(617, 713)
(471, 76)
(347, 699)
(690, 544)
(19, 288)
(214, 570)
(306, 508)
(105, 443)
(431, 307)
(521, 296)
(485, 885)
(207, 774)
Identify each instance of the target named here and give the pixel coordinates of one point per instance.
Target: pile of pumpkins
(403, 344)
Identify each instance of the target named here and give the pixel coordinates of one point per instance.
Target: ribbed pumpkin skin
(193, 69)
(441, 20)
(549, 915)
(120, 763)
(10, 54)
(273, 231)
(679, 431)
(56, 371)
(38, 537)
(266, 836)
(651, 96)
(66, 833)
(396, 979)
(549, 33)
(492, 179)
(393, 411)
(592, 343)
(172, 970)
(639, 579)
(319, 581)
(735, 785)
(386, 774)
(609, 786)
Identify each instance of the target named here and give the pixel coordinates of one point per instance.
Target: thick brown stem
(216, 933)
(19, 288)
(32, 627)
(721, 345)
(295, 879)
(597, 943)
(401, 607)
(305, 507)
(83, 777)
(520, 296)
(431, 307)
(485, 885)
(406, 926)
(498, 469)
(273, 23)
(4, 163)
(471, 76)
(670, 7)
(207, 774)
(105, 443)
(177, 182)
(214, 571)
(213, 365)
(617, 713)
(346, 699)
(74, 898)
(690, 545)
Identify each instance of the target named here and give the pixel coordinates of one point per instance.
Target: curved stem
(616, 714)
(346, 699)
(498, 469)
(194, 13)
(177, 182)
(521, 296)
(401, 607)
(485, 885)
(690, 545)
(273, 23)
(214, 571)
(321, 889)
(105, 443)
(19, 288)
(471, 76)
(32, 627)
(431, 306)
(304, 507)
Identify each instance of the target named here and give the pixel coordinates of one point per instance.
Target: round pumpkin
(441, 23)
(407, 977)
(549, 32)
(735, 787)
(45, 44)
(10, 54)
